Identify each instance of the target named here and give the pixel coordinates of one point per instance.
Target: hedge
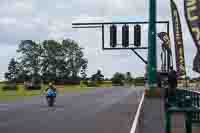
(32, 87)
(85, 83)
(9, 87)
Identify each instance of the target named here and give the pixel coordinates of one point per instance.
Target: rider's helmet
(50, 84)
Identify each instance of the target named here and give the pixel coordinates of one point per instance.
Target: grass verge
(21, 93)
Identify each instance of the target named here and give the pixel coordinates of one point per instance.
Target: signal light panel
(137, 35)
(113, 36)
(125, 36)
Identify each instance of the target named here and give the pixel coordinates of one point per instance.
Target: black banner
(192, 15)
(178, 41)
(166, 53)
(166, 41)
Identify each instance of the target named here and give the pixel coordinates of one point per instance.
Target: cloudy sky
(47, 19)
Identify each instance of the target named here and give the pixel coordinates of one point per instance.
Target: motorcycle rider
(51, 87)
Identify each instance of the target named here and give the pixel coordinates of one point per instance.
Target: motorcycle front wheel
(50, 101)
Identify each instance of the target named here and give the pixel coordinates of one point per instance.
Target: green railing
(187, 102)
(187, 98)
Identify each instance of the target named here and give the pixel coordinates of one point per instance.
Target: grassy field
(22, 93)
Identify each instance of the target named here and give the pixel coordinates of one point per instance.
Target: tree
(129, 77)
(13, 71)
(75, 57)
(97, 76)
(53, 60)
(84, 69)
(118, 78)
(107, 79)
(61, 61)
(30, 58)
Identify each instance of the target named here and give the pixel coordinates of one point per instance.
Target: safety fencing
(187, 102)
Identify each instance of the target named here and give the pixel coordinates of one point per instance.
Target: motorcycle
(50, 96)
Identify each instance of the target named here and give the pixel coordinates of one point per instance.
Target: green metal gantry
(152, 63)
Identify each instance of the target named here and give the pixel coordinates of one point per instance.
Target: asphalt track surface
(100, 111)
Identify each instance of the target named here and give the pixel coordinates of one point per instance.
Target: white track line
(135, 122)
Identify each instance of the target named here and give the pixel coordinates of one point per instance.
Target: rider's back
(51, 91)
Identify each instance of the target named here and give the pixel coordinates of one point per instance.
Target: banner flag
(166, 54)
(192, 15)
(178, 41)
(166, 41)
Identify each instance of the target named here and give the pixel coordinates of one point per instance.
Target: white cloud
(7, 21)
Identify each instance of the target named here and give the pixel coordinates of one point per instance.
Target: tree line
(53, 61)
(47, 61)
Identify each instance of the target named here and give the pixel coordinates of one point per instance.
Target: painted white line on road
(135, 122)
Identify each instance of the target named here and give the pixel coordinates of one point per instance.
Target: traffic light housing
(137, 35)
(125, 35)
(113, 36)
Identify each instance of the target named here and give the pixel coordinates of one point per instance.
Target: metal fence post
(188, 122)
(168, 122)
